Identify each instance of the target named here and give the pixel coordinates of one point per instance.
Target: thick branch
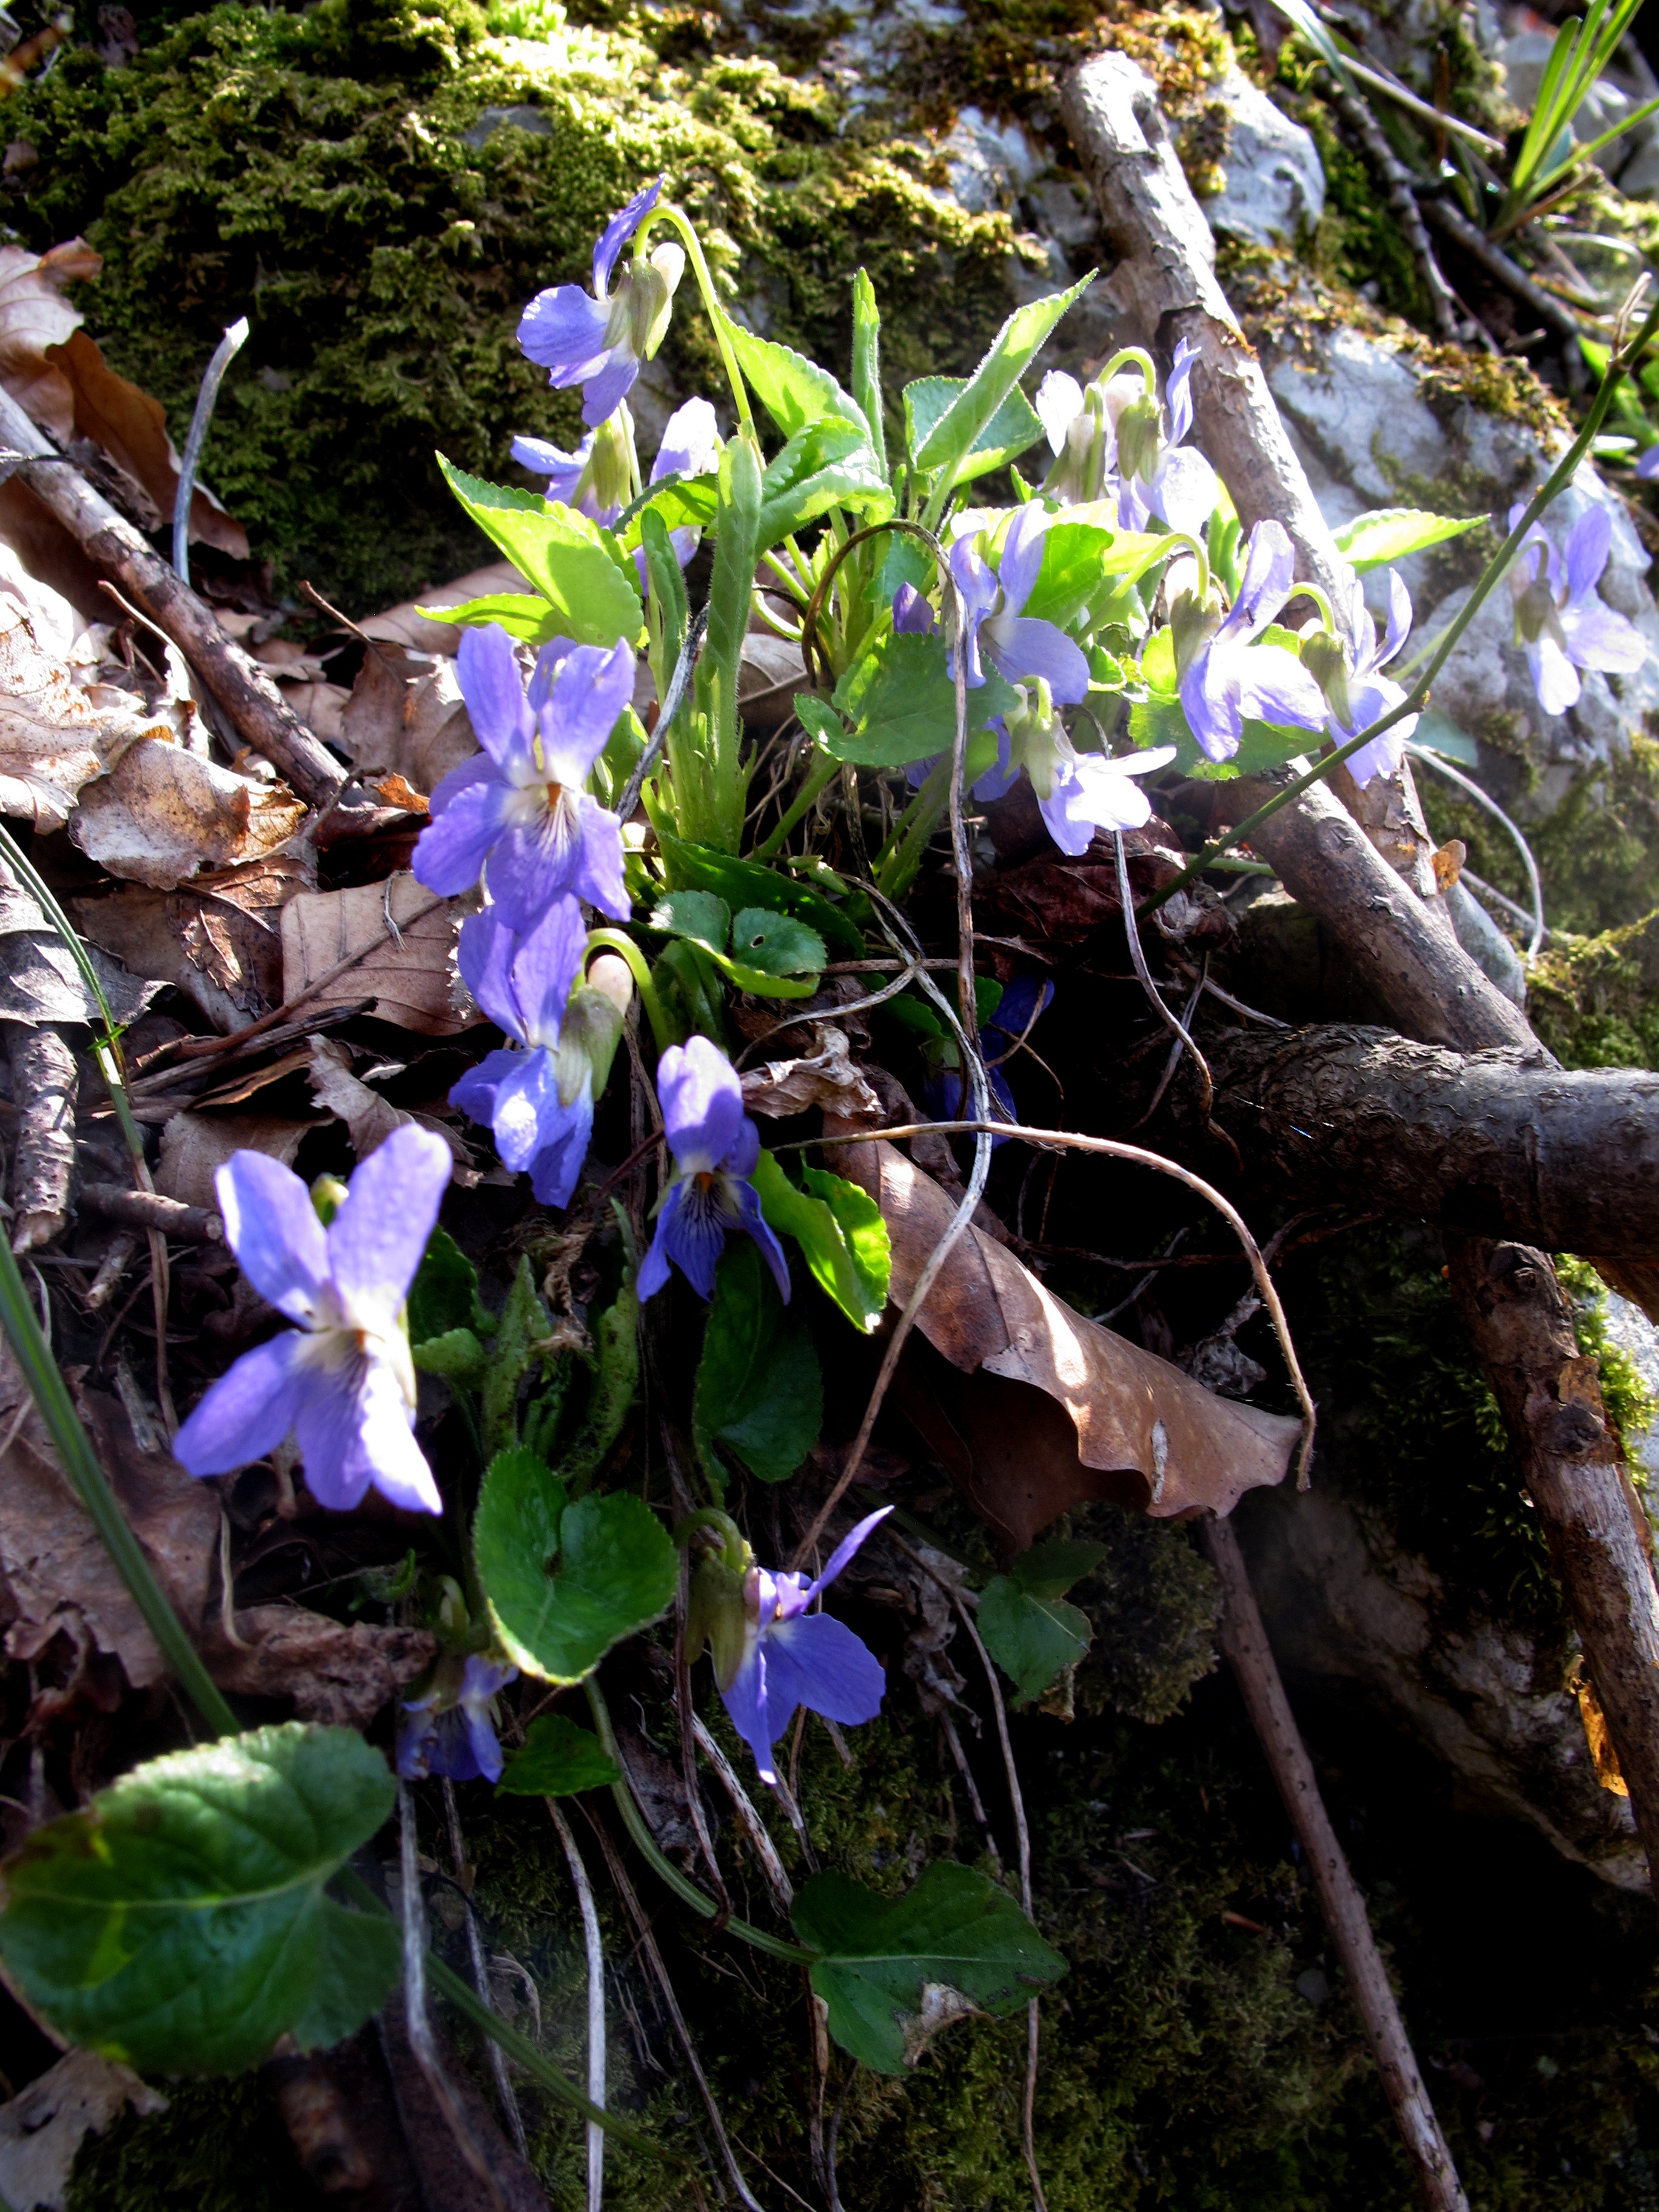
(1503, 1143)
(1522, 1329)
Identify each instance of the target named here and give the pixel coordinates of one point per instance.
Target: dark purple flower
(1018, 646)
(600, 339)
(450, 1730)
(1560, 618)
(792, 1657)
(343, 1381)
(912, 616)
(715, 1146)
(1230, 679)
(521, 811)
(1022, 1004)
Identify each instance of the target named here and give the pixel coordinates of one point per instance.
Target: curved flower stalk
(1225, 678)
(596, 479)
(996, 628)
(519, 813)
(1077, 793)
(452, 1730)
(1349, 674)
(716, 1147)
(771, 1653)
(599, 340)
(342, 1381)
(1561, 620)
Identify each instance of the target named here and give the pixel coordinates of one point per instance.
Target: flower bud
(1034, 735)
(588, 1035)
(606, 479)
(1138, 439)
(1533, 609)
(1327, 661)
(327, 1196)
(651, 296)
(1190, 624)
(718, 1615)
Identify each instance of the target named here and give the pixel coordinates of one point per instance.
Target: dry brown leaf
(195, 1145)
(132, 429)
(402, 625)
(218, 941)
(406, 717)
(336, 1675)
(53, 1557)
(163, 814)
(830, 1078)
(55, 735)
(43, 2127)
(1032, 1409)
(369, 1118)
(35, 315)
(409, 967)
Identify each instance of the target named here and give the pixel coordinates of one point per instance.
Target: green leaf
(1032, 1639)
(903, 703)
(444, 1294)
(821, 722)
(568, 559)
(759, 1389)
(877, 1955)
(671, 608)
(1073, 555)
(1046, 1571)
(564, 1583)
(557, 1759)
(615, 1380)
(775, 943)
(1436, 730)
(457, 1355)
(702, 916)
(1012, 429)
(178, 1923)
(677, 502)
(709, 779)
(532, 621)
(523, 1324)
(867, 362)
(844, 1243)
(829, 463)
(1389, 533)
(794, 391)
(1158, 663)
(745, 883)
(957, 431)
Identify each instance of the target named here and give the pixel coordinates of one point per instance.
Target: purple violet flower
(1349, 673)
(600, 339)
(451, 1729)
(595, 478)
(912, 615)
(520, 807)
(342, 1380)
(1560, 618)
(1021, 1006)
(1230, 679)
(691, 446)
(524, 984)
(1017, 646)
(1160, 477)
(792, 1658)
(1646, 468)
(715, 1146)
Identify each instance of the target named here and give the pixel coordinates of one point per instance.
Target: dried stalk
(595, 2050)
(1397, 190)
(765, 1850)
(503, 2080)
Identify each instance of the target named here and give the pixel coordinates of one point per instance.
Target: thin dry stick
(503, 2080)
(685, 1712)
(584, 1889)
(1022, 1836)
(1176, 1048)
(953, 1738)
(419, 2026)
(1138, 1156)
(1244, 1641)
(765, 1850)
(653, 1957)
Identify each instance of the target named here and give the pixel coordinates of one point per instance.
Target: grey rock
(535, 120)
(989, 163)
(1063, 209)
(1275, 185)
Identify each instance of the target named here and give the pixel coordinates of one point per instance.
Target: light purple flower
(594, 479)
(1358, 693)
(1160, 477)
(451, 1729)
(1017, 646)
(1646, 468)
(600, 339)
(524, 984)
(715, 1146)
(1560, 618)
(1230, 679)
(793, 1658)
(520, 808)
(691, 446)
(1077, 793)
(343, 1381)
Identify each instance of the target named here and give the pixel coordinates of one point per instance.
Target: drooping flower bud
(647, 297)
(1326, 658)
(1034, 730)
(1138, 438)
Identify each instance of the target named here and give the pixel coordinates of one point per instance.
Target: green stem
(915, 827)
(80, 1463)
(615, 940)
(665, 212)
(1416, 698)
(818, 777)
(686, 1891)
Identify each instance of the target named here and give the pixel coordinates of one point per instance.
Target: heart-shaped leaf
(777, 944)
(702, 916)
(180, 1922)
(558, 1760)
(1032, 1639)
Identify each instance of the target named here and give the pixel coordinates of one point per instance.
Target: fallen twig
(1397, 189)
(147, 1209)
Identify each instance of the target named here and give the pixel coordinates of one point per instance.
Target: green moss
(1599, 851)
(1630, 1402)
(1595, 1001)
(219, 2147)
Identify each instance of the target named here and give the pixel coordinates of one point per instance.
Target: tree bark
(1522, 1329)
(1503, 1142)
(1248, 1652)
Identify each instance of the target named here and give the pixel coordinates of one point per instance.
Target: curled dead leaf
(39, 981)
(43, 2127)
(218, 940)
(339, 1675)
(400, 938)
(369, 1118)
(35, 315)
(1030, 1408)
(404, 625)
(163, 814)
(55, 735)
(406, 717)
(194, 1147)
(829, 1078)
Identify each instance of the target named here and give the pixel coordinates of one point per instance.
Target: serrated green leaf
(745, 883)
(677, 502)
(531, 620)
(759, 1387)
(1389, 533)
(820, 721)
(563, 1582)
(1014, 429)
(703, 916)
(877, 1954)
(589, 586)
(616, 1379)
(557, 1759)
(903, 701)
(844, 1248)
(828, 463)
(794, 391)
(444, 1294)
(958, 429)
(180, 1924)
(457, 1355)
(1031, 1638)
(775, 943)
